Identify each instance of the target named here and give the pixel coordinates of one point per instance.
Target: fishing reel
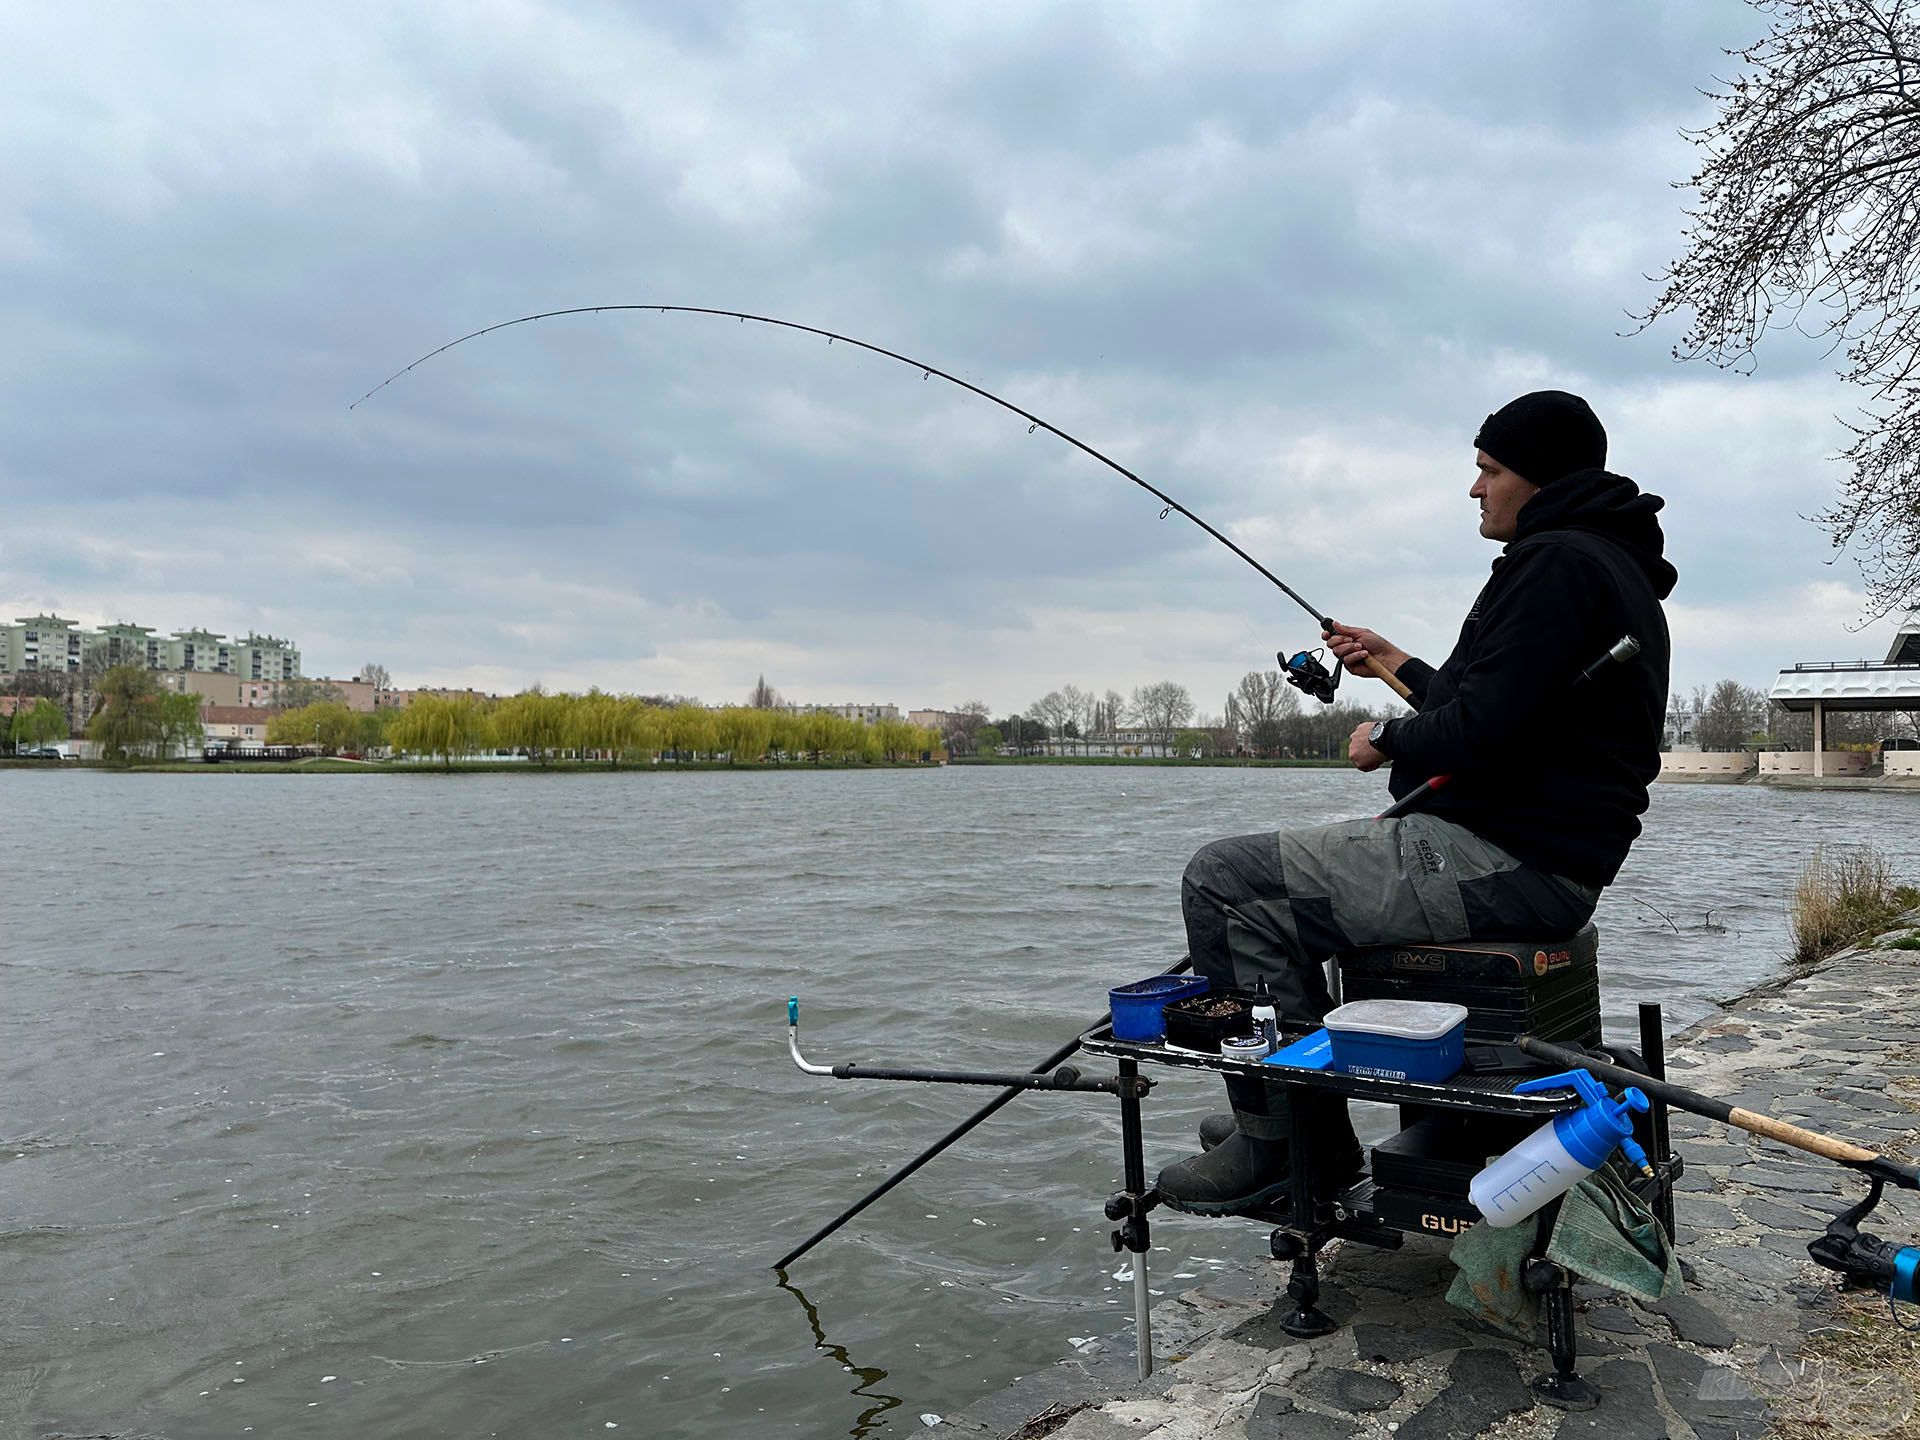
(1867, 1260)
(1306, 671)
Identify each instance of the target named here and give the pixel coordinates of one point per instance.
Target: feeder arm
(1066, 1078)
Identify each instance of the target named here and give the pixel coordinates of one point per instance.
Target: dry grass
(1856, 1377)
(1842, 897)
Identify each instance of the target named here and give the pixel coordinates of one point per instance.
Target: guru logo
(1445, 1224)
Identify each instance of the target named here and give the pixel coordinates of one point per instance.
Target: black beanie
(1543, 436)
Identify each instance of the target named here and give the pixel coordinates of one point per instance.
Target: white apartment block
(40, 642)
(865, 714)
(47, 642)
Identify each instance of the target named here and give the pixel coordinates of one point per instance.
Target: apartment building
(41, 642)
(866, 714)
(38, 643)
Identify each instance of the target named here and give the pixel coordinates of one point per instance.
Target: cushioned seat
(1549, 988)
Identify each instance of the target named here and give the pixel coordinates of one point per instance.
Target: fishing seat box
(1549, 988)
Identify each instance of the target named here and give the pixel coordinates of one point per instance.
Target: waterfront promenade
(1761, 1341)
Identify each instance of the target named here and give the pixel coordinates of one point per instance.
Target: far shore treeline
(137, 720)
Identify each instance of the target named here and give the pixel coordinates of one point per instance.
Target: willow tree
(535, 722)
(38, 724)
(326, 724)
(180, 720)
(743, 732)
(128, 724)
(442, 726)
(1808, 218)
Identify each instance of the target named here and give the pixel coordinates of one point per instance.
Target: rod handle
(1393, 681)
(1811, 1141)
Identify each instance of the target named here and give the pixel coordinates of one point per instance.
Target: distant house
(235, 724)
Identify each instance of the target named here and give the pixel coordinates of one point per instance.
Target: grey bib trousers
(1276, 906)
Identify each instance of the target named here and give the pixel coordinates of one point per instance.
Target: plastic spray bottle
(1561, 1153)
(1264, 1019)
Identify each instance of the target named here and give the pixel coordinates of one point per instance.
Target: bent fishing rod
(1034, 422)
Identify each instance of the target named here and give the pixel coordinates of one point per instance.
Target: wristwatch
(1377, 737)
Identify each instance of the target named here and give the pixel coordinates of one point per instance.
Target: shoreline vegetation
(1844, 895)
(325, 765)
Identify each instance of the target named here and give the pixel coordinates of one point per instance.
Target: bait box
(1421, 1040)
(1510, 988)
(1192, 1025)
(1137, 1009)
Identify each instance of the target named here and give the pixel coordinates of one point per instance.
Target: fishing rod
(1034, 422)
(1860, 1258)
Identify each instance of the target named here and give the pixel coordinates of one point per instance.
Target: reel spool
(1306, 671)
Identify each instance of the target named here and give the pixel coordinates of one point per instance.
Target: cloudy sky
(1280, 260)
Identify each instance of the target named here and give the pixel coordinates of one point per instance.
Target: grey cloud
(1279, 261)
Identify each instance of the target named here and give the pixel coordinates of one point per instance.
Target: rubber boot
(1335, 1143)
(1337, 1157)
(1215, 1128)
(1246, 1169)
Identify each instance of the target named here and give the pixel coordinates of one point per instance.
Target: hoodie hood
(1603, 503)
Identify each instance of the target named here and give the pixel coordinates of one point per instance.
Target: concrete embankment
(1761, 1341)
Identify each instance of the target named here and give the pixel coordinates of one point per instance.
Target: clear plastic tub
(1424, 1040)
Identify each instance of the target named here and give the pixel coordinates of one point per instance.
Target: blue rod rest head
(793, 1010)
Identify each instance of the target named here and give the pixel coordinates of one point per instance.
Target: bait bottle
(1263, 1017)
(1561, 1153)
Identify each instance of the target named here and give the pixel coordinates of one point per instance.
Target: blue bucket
(1137, 1008)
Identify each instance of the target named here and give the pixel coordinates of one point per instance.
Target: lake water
(424, 1106)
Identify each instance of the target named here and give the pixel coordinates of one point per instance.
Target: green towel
(1604, 1234)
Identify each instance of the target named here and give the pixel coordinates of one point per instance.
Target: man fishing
(1547, 790)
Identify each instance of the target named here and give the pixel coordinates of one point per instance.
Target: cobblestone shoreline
(1761, 1342)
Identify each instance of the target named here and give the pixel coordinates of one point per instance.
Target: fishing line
(1170, 504)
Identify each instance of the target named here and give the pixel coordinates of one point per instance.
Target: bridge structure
(1827, 685)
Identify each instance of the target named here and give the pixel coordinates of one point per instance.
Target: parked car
(45, 752)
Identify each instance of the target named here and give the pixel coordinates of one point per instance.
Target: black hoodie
(1553, 773)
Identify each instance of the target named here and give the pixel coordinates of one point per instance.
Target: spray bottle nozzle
(1608, 1117)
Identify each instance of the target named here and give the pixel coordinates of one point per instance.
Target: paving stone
(1793, 1247)
(1679, 1371)
(1725, 1045)
(1270, 1412)
(1275, 1417)
(1092, 1425)
(1612, 1318)
(1482, 1386)
(1775, 1215)
(1355, 1391)
(1395, 1343)
(1754, 1263)
(1695, 1322)
(1873, 1100)
(1226, 1364)
(1706, 1214)
(1712, 1398)
(1263, 1331)
(1627, 1410)
(1803, 1182)
(1012, 1407)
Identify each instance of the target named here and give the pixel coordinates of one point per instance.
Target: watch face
(1374, 735)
